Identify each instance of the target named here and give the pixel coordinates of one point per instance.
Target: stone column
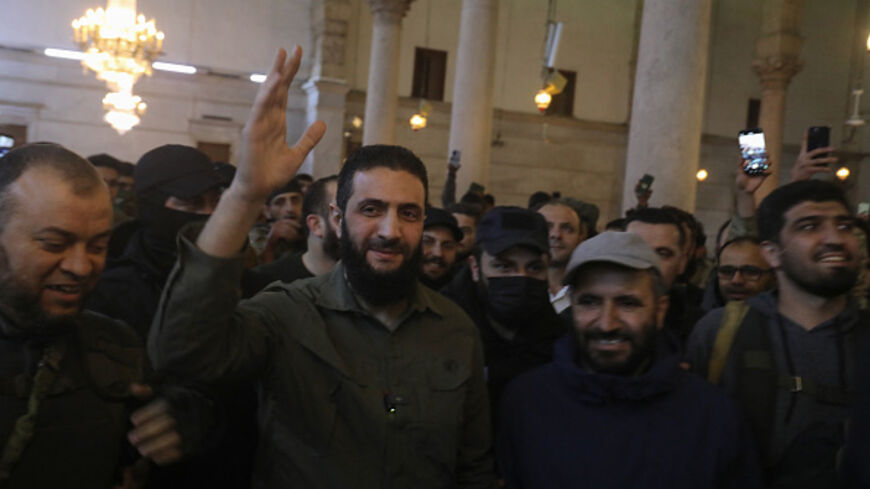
(471, 116)
(777, 61)
(383, 86)
(664, 137)
(327, 88)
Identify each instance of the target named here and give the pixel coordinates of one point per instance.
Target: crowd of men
(186, 323)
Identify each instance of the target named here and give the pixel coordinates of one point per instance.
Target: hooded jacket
(563, 426)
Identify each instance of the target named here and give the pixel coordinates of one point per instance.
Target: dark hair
(722, 229)
(473, 198)
(489, 199)
(537, 199)
(658, 215)
(106, 161)
(771, 211)
(78, 172)
(316, 201)
(126, 169)
(741, 239)
(685, 218)
(470, 210)
(700, 235)
(616, 224)
(303, 177)
(378, 156)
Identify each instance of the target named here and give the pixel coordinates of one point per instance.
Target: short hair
(615, 224)
(78, 172)
(658, 215)
(489, 199)
(126, 169)
(572, 204)
(771, 211)
(686, 218)
(473, 198)
(465, 209)
(303, 177)
(537, 199)
(106, 161)
(378, 156)
(316, 201)
(741, 239)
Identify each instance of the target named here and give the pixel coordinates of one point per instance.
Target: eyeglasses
(747, 271)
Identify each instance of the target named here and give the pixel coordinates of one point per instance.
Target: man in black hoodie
(614, 409)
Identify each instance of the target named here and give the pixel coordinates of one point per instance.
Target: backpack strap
(735, 311)
(22, 430)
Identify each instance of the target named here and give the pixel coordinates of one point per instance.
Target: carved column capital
(389, 10)
(775, 72)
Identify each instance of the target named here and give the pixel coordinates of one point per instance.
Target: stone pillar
(471, 116)
(327, 88)
(383, 86)
(664, 137)
(777, 61)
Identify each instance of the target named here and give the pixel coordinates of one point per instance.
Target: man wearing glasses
(742, 271)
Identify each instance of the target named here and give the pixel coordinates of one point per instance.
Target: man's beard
(330, 244)
(22, 308)
(835, 283)
(374, 287)
(642, 349)
(436, 283)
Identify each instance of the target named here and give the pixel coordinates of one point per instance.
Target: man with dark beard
(366, 379)
(787, 356)
(322, 250)
(441, 237)
(67, 376)
(614, 409)
(504, 291)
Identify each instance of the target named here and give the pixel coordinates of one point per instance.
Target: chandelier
(119, 46)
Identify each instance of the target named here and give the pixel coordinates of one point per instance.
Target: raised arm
(266, 162)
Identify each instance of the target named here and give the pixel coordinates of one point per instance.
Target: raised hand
(267, 161)
(748, 184)
(808, 165)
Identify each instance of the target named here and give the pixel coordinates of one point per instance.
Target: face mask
(163, 223)
(513, 301)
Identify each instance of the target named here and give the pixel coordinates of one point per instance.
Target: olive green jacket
(344, 401)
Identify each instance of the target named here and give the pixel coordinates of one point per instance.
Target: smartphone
(6, 143)
(753, 151)
(455, 156)
(818, 137)
(644, 184)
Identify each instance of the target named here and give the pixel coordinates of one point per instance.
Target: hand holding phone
(815, 158)
(753, 151)
(455, 156)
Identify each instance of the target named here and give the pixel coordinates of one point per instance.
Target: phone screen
(754, 153)
(6, 143)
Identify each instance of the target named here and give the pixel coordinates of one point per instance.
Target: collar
(558, 295)
(336, 294)
(767, 303)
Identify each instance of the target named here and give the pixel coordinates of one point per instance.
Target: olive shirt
(344, 401)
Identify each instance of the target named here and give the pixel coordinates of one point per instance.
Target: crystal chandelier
(119, 46)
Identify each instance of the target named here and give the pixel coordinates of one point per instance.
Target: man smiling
(614, 409)
(367, 378)
(791, 354)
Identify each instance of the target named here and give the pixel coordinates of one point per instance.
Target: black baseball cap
(440, 217)
(291, 187)
(506, 226)
(176, 170)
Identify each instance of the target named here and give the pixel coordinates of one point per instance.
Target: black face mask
(164, 223)
(513, 301)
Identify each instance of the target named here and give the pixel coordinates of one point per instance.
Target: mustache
(435, 260)
(831, 247)
(388, 245)
(607, 335)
